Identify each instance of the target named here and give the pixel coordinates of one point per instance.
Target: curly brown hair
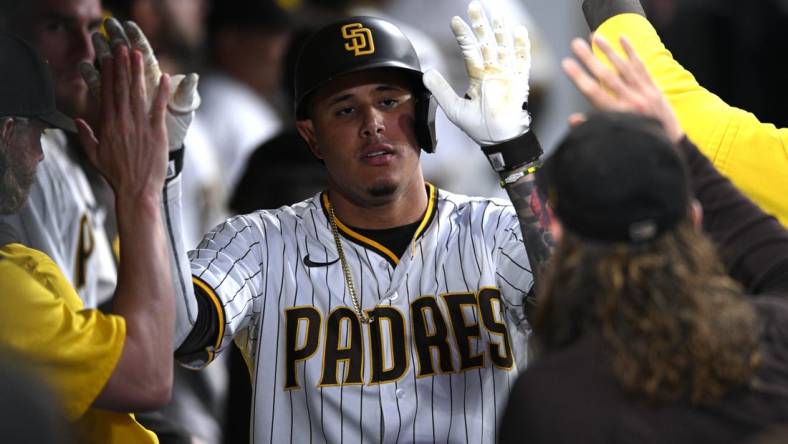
(674, 324)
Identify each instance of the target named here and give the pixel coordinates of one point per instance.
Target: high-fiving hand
(131, 148)
(627, 89)
(498, 62)
(184, 98)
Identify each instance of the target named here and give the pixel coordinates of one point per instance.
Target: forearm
(520, 185)
(532, 216)
(752, 244)
(145, 298)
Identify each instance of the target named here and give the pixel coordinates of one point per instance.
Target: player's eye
(344, 111)
(389, 102)
(55, 26)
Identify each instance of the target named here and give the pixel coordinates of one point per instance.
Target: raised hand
(184, 98)
(131, 150)
(498, 62)
(627, 89)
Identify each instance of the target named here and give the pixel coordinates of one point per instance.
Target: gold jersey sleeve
(753, 154)
(74, 349)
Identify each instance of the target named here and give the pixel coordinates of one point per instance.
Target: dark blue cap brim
(59, 120)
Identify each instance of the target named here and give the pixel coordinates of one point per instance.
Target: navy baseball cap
(26, 88)
(617, 178)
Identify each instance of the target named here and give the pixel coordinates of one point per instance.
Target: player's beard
(15, 182)
(382, 190)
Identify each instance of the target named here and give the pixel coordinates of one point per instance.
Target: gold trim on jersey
(376, 246)
(219, 310)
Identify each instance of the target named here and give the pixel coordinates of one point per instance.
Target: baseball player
(382, 309)
(62, 216)
(99, 364)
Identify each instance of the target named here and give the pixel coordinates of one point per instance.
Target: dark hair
(674, 324)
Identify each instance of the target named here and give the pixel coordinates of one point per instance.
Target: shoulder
(489, 214)
(293, 215)
(464, 203)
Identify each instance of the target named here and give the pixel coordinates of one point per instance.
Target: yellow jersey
(75, 350)
(752, 154)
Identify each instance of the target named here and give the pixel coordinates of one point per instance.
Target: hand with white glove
(498, 62)
(184, 98)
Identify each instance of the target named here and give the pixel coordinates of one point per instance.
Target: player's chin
(382, 190)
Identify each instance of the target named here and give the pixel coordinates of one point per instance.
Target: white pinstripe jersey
(62, 219)
(435, 366)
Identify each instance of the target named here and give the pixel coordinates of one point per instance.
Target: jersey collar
(358, 238)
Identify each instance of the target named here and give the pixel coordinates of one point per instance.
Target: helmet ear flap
(426, 106)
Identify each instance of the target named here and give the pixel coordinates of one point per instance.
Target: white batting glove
(184, 98)
(498, 62)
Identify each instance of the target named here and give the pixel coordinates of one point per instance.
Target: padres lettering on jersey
(436, 365)
(429, 330)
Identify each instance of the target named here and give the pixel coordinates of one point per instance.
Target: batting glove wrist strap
(510, 155)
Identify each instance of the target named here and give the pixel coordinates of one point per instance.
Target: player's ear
(6, 129)
(307, 132)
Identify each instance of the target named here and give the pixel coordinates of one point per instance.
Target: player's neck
(404, 208)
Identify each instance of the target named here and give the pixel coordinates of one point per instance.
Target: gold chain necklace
(345, 268)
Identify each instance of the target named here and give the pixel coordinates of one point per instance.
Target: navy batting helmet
(358, 44)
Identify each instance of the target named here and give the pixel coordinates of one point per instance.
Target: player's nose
(372, 123)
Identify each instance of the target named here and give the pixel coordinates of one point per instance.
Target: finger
(623, 67)
(483, 32)
(107, 94)
(159, 109)
(603, 74)
(122, 84)
(100, 45)
(186, 98)
(115, 32)
(588, 86)
(139, 41)
(138, 93)
(640, 70)
(443, 92)
(469, 47)
(504, 38)
(89, 142)
(522, 51)
(92, 77)
(576, 119)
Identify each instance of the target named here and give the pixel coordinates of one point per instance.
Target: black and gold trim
(208, 293)
(373, 245)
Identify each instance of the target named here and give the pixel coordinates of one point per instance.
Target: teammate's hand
(498, 62)
(184, 99)
(630, 89)
(131, 149)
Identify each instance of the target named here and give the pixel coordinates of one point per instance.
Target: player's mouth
(378, 154)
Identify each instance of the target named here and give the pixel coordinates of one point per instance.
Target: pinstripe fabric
(470, 247)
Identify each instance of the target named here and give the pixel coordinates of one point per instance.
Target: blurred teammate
(64, 216)
(671, 349)
(98, 364)
(753, 154)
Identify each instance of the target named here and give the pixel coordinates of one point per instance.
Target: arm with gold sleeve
(754, 155)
